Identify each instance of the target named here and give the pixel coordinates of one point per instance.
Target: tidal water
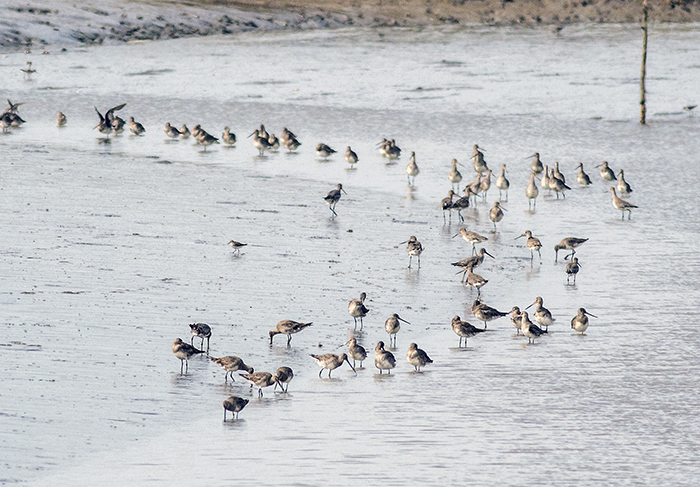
(111, 246)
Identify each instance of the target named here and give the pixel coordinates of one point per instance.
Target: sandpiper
(529, 329)
(446, 205)
(572, 269)
(475, 280)
(273, 142)
(472, 262)
(236, 246)
(496, 214)
(480, 165)
(542, 315)
(291, 144)
(206, 139)
(392, 327)
(580, 321)
(284, 376)
(485, 185)
(228, 137)
(455, 177)
(471, 237)
(417, 357)
(412, 170)
(333, 197)
(231, 364)
(135, 127)
(357, 352)
(383, 359)
(200, 330)
(357, 309)
(184, 132)
(61, 119)
(515, 319)
(260, 380)
(288, 327)
(536, 165)
(622, 186)
(350, 156)
(605, 172)
(531, 192)
(184, 351)
(324, 151)
(558, 186)
(557, 174)
(234, 404)
(414, 248)
(330, 362)
(533, 244)
(171, 131)
(569, 243)
(502, 183)
(260, 142)
(464, 330)
(485, 313)
(105, 123)
(622, 205)
(581, 176)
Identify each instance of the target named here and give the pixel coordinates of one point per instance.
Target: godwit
(351, 156)
(292, 144)
(529, 329)
(357, 352)
(260, 142)
(330, 362)
(572, 269)
(105, 123)
(622, 186)
(287, 135)
(536, 165)
(333, 197)
(60, 119)
(496, 214)
(471, 237)
(502, 183)
(28, 71)
(135, 127)
(446, 205)
(392, 327)
(455, 176)
(473, 188)
(236, 246)
(417, 357)
(206, 139)
(260, 380)
(324, 151)
(184, 132)
(284, 375)
(515, 319)
(459, 205)
(357, 309)
(545, 180)
(234, 404)
(273, 142)
(383, 359)
(389, 149)
(569, 243)
(288, 327)
(533, 244)
(472, 262)
(605, 172)
(558, 174)
(580, 321)
(171, 131)
(622, 205)
(531, 192)
(412, 170)
(485, 313)
(184, 351)
(581, 176)
(228, 137)
(480, 165)
(558, 186)
(232, 364)
(485, 185)
(414, 248)
(475, 280)
(542, 314)
(464, 330)
(200, 330)
(118, 125)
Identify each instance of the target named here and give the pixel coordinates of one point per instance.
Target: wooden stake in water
(642, 88)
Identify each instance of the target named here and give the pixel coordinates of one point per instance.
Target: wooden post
(642, 79)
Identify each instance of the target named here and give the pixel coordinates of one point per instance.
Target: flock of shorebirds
(550, 179)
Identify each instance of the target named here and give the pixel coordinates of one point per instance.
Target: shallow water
(112, 246)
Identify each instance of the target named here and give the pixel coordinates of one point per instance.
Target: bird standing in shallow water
(357, 352)
(228, 137)
(333, 197)
(288, 327)
(357, 309)
(622, 186)
(533, 244)
(412, 170)
(529, 329)
(392, 327)
(234, 404)
(236, 246)
(232, 364)
(606, 173)
(446, 205)
(496, 214)
(135, 127)
(536, 166)
(471, 237)
(60, 119)
(171, 131)
(417, 357)
(330, 362)
(572, 269)
(284, 375)
(569, 243)
(464, 330)
(200, 330)
(472, 262)
(581, 176)
(580, 321)
(502, 183)
(531, 192)
(542, 315)
(184, 351)
(351, 157)
(383, 359)
(484, 312)
(455, 176)
(622, 205)
(260, 380)
(324, 151)
(475, 280)
(414, 248)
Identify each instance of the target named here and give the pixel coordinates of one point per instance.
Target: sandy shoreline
(26, 26)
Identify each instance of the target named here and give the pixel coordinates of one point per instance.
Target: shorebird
(480, 165)
(260, 141)
(135, 127)
(184, 132)
(389, 149)
(496, 214)
(184, 351)
(689, 108)
(383, 359)
(357, 309)
(351, 157)
(502, 183)
(533, 244)
(28, 71)
(324, 151)
(622, 186)
(231, 364)
(485, 313)
(273, 142)
(105, 123)
(417, 357)
(228, 137)
(262, 132)
(557, 174)
(118, 125)
(581, 176)
(558, 186)
(471, 237)
(536, 165)
(291, 144)
(622, 205)
(545, 180)
(475, 280)
(196, 130)
(485, 185)
(330, 362)
(236, 246)
(455, 176)
(357, 352)
(412, 170)
(459, 205)
(529, 329)
(234, 404)
(605, 172)
(287, 135)
(531, 192)
(515, 319)
(284, 376)
(60, 119)
(572, 269)
(260, 380)
(542, 315)
(472, 262)
(473, 188)
(288, 327)
(569, 243)
(333, 197)
(446, 205)
(392, 327)
(464, 330)
(414, 248)
(171, 131)
(580, 321)
(200, 330)
(206, 139)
